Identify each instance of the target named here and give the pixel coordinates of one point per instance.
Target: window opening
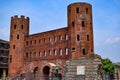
(78, 37)
(14, 26)
(49, 39)
(77, 10)
(21, 26)
(87, 37)
(60, 38)
(44, 53)
(55, 52)
(26, 42)
(66, 51)
(17, 36)
(26, 55)
(83, 51)
(50, 52)
(30, 42)
(73, 24)
(13, 46)
(73, 49)
(60, 52)
(86, 10)
(39, 40)
(83, 24)
(44, 40)
(35, 41)
(10, 58)
(66, 37)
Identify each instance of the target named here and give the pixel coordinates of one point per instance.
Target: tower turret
(80, 29)
(18, 30)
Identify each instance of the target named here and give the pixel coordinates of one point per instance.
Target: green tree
(108, 67)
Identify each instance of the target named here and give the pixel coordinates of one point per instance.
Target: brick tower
(80, 29)
(18, 30)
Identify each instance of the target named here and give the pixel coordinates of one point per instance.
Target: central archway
(46, 72)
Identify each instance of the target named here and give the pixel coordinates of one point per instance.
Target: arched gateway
(33, 53)
(46, 72)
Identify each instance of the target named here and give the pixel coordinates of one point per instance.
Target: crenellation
(16, 16)
(23, 17)
(20, 17)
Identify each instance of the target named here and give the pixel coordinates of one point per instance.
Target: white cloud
(113, 40)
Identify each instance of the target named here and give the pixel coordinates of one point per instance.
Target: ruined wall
(84, 69)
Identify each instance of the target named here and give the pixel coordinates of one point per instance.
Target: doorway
(46, 72)
(36, 71)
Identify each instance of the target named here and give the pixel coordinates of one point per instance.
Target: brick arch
(36, 72)
(50, 65)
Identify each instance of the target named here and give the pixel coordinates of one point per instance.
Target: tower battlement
(21, 17)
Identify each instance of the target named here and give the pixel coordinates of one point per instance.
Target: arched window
(66, 37)
(39, 54)
(55, 39)
(50, 52)
(66, 51)
(60, 52)
(35, 42)
(49, 39)
(60, 38)
(34, 54)
(45, 53)
(26, 42)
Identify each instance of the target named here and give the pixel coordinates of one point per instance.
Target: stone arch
(46, 72)
(50, 65)
(36, 72)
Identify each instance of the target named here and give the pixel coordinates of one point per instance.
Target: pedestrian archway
(46, 72)
(36, 71)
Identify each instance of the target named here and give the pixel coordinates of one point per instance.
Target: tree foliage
(108, 66)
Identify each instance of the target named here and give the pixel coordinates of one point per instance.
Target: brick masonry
(51, 48)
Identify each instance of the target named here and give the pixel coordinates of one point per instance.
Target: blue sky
(47, 15)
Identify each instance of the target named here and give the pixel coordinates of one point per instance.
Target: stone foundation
(90, 69)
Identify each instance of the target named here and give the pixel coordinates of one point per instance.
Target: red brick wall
(38, 50)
